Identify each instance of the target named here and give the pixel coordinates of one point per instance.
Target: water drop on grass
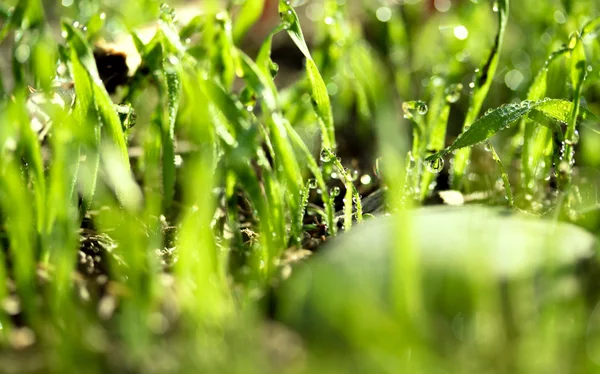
(453, 92)
(326, 155)
(575, 139)
(335, 191)
(273, 69)
(436, 165)
(312, 183)
(410, 107)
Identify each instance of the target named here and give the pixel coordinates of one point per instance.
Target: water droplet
(352, 175)
(410, 107)
(365, 179)
(495, 6)
(312, 183)
(287, 16)
(326, 155)
(488, 146)
(472, 85)
(453, 92)
(335, 191)
(273, 69)
(436, 165)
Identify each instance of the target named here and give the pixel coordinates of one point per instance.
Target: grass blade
(500, 118)
(250, 13)
(106, 112)
(320, 97)
(578, 72)
(482, 84)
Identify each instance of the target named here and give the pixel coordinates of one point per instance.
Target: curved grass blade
(500, 118)
(259, 82)
(321, 102)
(85, 112)
(482, 83)
(592, 27)
(536, 139)
(578, 72)
(106, 111)
(263, 59)
(250, 13)
(291, 23)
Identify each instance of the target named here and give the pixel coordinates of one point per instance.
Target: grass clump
(151, 213)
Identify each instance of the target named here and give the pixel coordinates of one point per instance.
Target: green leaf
(250, 13)
(172, 78)
(592, 27)
(321, 102)
(537, 140)
(291, 23)
(482, 84)
(500, 118)
(259, 81)
(96, 111)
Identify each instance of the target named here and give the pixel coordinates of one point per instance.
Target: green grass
(163, 246)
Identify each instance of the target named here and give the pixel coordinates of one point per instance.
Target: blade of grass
(578, 72)
(106, 112)
(250, 13)
(320, 97)
(481, 86)
(500, 118)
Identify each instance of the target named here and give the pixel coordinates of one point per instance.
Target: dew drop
(436, 165)
(453, 92)
(488, 146)
(495, 6)
(326, 155)
(365, 179)
(410, 107)
(312, 183)
(287, 17)
(335, 191)
(273, 69)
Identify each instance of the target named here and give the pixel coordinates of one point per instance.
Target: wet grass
(149, 224)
